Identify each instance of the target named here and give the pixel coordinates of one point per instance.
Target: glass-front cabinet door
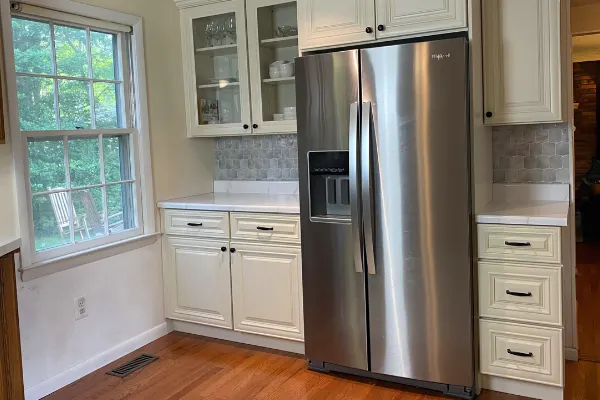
(216, 69)
(272, 48)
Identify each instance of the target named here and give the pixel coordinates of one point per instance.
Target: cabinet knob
(369, 29)
(380, 28)
(255, 126)
(232, 250)
(245, 126)
(489, 114)
(223, 249)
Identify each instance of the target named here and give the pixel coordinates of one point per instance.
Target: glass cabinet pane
(273, 48)
(216, 68)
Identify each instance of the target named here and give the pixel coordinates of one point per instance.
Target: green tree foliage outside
(36, 95)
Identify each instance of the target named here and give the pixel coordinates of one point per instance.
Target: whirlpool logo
(440, 56)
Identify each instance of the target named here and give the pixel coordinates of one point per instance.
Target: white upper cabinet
(342, 22)
(325, 23)
(272, 47)
(522, 61)
(228, 49)
(410, 17)
(215, 69)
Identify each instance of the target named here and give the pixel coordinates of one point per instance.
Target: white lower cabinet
(266, 283)
(252, 285)
(198, 281)
(520, 309)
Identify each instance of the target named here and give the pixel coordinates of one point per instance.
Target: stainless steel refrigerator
(383, 140)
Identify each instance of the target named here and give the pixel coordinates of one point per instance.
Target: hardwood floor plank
(193, 367)
(588, 298)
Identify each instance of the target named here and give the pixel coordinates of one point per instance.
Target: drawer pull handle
(194, 224)
(518, 244)
(264, 228)
(518, 353)
(518, 294)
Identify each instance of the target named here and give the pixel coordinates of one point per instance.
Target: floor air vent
(131, 366)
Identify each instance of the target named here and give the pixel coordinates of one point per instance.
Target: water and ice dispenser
(329, 184)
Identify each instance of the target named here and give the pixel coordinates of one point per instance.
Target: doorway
(586, 121)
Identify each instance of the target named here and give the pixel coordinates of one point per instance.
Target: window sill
(64, 263)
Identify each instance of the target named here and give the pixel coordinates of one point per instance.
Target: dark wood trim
(11, 370)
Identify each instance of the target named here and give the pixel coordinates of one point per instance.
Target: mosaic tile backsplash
(257, 158)
(531, 153)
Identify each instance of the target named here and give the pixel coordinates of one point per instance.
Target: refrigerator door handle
(366, 183)
(355, 189)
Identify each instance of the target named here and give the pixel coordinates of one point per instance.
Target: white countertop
(242, 202)
(534, 212)
(8, 244)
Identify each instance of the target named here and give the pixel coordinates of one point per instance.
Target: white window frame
(140, 143)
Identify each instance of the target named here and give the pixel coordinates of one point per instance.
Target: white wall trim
(239, 337)
(80, 370)
(73, 260)
(521, 388)
(141, 100)
(571, 354)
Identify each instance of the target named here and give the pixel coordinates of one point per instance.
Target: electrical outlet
(80, 307)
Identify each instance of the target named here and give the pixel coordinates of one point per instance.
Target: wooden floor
(193, 367)
(588, 300)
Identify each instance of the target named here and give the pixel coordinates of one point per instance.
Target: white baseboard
(240, 337)
(80, 370)
(521, 388)
(571, 354)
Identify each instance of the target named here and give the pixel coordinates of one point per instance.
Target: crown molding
(183, 4)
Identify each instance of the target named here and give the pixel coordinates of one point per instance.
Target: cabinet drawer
(197, 223)
(265, 227)
(522, 352)
(520, 293)
(539, 244)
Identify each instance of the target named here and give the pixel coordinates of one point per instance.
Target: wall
(585, 19)
(585, 76)
(8, 205)
(173, 154)
(262, 158)
(531, 153)
(124, 300)
(585, 48)
(124, 293)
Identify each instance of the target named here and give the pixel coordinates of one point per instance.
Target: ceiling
(579, 3)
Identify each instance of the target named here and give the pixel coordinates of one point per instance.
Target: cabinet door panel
(272, 91)
(215, 69)
(522, 65)
(197, 281)
(408, 17)
(267, 290)
(335, 22)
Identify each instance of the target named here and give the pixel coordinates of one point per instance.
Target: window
(76, 117)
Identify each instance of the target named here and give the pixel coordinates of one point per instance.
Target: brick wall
(585, 76)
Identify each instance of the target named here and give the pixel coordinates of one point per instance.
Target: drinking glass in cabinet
(209, 34)
(215, 31)
(219, 33)
(216, 70)
(230, 30)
